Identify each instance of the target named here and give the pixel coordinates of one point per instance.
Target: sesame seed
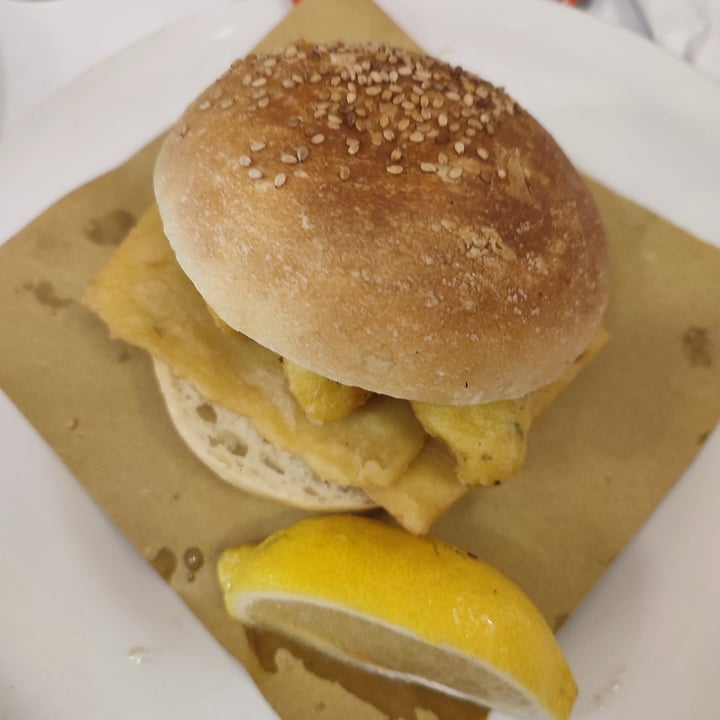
(317, 139)
(245, 161)
(405, 70)
(298, 79)
(319, 113)
(438, 102)
(416, 137)
(428, 167)
(485, 177)
(407, 105)
(424, 101)
(259, 82)
(394, 169)
(459, 147)
(351, 97)
(388, 134)
(482, 153)
(288, 84)
(384, 120)
(344, 173)
(247, 79)
(484, 118)
(352, 87)
(302, 153)
(452, 95)
(226, 103)
(396, 155)
(315, 78)
(502, 174)
(334, 125)
(442, 159)
(404, 124)
(279, 180)
(373, 90)
(353, 149)
(442, 120)
(257, 145)
(334, 119)
(291, 51)
(455, 172)
(254, 174)
(288, 159)
(475, 123)
(263, 102)
(204, 105)
(468, 99)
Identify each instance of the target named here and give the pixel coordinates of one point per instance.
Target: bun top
(386, 220)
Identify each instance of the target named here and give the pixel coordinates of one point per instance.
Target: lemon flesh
(409, 608)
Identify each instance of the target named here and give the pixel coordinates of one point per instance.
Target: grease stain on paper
(111, 228)
(165, 563)
(44, 293)
(696, 346)
(194, 560)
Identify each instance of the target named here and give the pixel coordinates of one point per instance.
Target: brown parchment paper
(599, 461)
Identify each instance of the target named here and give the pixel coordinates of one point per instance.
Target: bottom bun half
(232, 448)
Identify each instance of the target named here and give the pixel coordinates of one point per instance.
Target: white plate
(646, 644)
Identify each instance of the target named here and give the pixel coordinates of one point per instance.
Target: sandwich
(365, 273)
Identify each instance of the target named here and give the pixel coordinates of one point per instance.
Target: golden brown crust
(387, 221)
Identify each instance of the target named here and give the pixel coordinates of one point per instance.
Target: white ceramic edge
(89, 630)
(94, 646)
(614, 641)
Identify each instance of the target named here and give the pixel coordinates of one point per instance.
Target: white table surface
(44, 44)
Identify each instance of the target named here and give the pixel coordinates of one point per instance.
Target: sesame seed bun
(387, 221)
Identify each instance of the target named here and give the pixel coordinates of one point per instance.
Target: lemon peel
(412, 609)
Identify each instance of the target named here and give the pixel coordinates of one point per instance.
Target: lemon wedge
(411, 609)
